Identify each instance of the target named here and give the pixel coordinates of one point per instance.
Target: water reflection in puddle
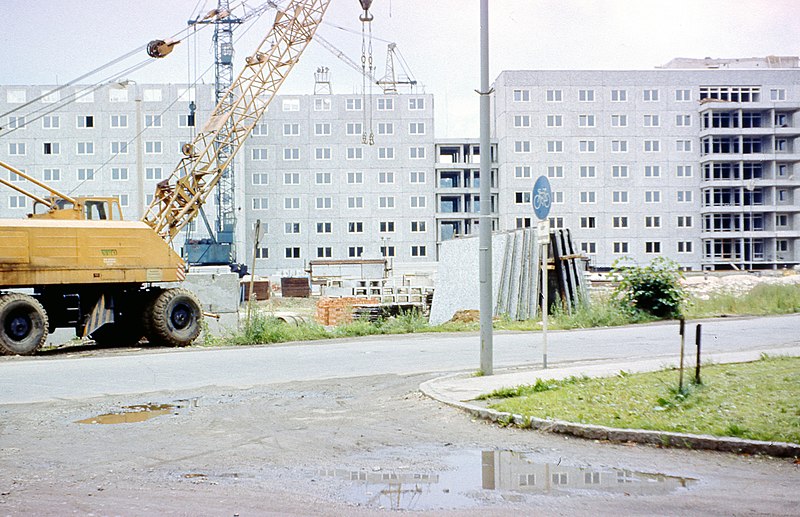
(481, 477)
(139, 413)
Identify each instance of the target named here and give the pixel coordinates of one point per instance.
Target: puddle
(485, 477)
(139, 413)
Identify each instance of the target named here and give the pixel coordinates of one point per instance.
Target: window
(619, 196)
(685, 221)
(355, 202)
(355, 177)
(522, 198)
(619, 146)
(385, 177)
(355, 251)
(416, 153)
(620, 221)
(417, 177)
(588, 222)
(620, 248)
(418, 201)
(652, 247)
(684, 196)
(522, 171)
(291, 228)
(652, 196)
(119, 121)
(152, 121)
(322, 153)
(419, 251)
(416, 103)
(322, 178)
(619, 95)
(385, 128)
(522, 121)
(115, 95)
(652, 221)
(49, 97)
(152, 147)
(123, 200)
(619, 171)
(51, 122)
(85, 148)
(684, 246)
(683, 95)
(117, 148)
(186, 120)
(781, 245)
(731, 93)
(16, 122)
(55, 174)
(260, 178)
(291, 153)
(291, 203)
(259, 154)
(291, 178)
(386, 153)
(651, 95)
(652, 121)
(55, 147)
(119, 173)
(324, 252)
(387, 251)
(322, 104)
(555, 146)
(781, 220)
(293, 252)
(17, 201)
(153, 173)
(523, 222)
(386, 202)
(588, 196)
(355, 227)
(386, 226)
(553, 96)
(589, 248)
(683, 120)
(558, 197)
(522, 146)
(386, 104)
(557, 223)
(652, 146)
(683, 146)
(619, 120)
(555, 171)
(16, 96)
(522, 95)
(418, 227)
(588, 171)
(322, 129)
(292, 129)
(290, 105)
(555, 120)
(152, 95)
(353, 128)
(85, 121)
(586, 95)
(586, 120)
(652, 171)
(586, 146)
(85, 174)
(777, 94)
(684, 171)
(416, 128)
(260, 129)
(324, 227)
(353, 105)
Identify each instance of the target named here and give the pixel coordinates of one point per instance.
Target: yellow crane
(77, 264)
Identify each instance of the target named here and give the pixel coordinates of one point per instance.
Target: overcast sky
(56, 41)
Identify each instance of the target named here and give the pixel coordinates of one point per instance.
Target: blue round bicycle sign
(541, 197)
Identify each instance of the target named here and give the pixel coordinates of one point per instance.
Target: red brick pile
(337, 311)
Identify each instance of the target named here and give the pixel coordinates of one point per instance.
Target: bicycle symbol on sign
(541, 199)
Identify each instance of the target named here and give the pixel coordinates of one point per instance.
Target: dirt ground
(359, 446)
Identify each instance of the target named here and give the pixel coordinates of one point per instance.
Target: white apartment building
(697, 164)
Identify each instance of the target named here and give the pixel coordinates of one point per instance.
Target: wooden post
(683, 340)
(697, 341)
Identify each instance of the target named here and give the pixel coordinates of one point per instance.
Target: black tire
(23, 324)
(174, 318)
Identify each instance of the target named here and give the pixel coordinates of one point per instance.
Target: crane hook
(365, 5)
(159, 48)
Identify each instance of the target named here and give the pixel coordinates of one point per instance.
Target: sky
(57, 41)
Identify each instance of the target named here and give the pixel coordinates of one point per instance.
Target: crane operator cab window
(102, 209)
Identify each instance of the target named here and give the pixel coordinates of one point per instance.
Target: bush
(654, 289)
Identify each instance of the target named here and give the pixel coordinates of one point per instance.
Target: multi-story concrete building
(697, 161)
(699, 164)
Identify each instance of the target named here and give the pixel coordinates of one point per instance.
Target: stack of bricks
(337, 311)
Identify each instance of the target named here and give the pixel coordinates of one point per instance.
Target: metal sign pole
(545, 305)
(541, 199)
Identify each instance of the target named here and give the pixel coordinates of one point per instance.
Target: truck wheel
(174, 318)
(23, 324)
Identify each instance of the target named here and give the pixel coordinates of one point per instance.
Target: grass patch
(758, 400)
(763, 299)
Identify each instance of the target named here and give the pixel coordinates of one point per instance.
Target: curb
(613, 434)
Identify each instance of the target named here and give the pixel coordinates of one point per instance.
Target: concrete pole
(485, 232)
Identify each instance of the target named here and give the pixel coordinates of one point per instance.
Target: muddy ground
(361, 446)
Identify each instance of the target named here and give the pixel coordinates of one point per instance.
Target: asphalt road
(39, 379)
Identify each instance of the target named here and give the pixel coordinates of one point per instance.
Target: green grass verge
(758, 400)
(761, 300)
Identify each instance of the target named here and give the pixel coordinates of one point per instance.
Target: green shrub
(654, 289)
